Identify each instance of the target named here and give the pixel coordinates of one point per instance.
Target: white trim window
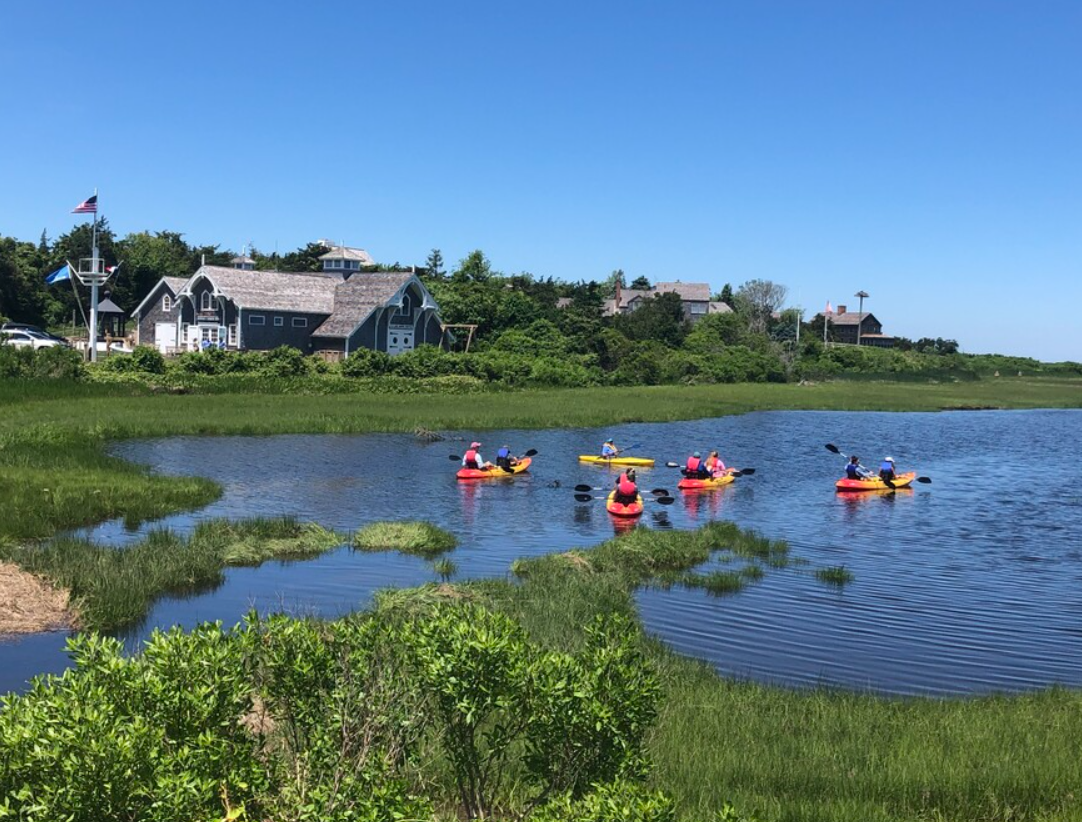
(232, 336)
(167, 303)
(256, 319)
(279, 322)
(300, 322)
(403, 315)
(206, 301)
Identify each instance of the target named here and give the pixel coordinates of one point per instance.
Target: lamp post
(860, 295)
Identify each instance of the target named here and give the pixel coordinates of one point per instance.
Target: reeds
(834, 575)
(422, 539)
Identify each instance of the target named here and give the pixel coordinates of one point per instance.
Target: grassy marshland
(112, 587)
(808, 755)
(834, 575)
(421, 539)
(54, 475)
(446, 568)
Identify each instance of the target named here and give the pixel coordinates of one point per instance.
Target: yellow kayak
(874, 483)
(691, 484)
(637, 462)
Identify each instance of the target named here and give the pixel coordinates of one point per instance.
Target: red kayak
(618, 509)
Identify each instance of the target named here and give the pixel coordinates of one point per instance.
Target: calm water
(962, 586)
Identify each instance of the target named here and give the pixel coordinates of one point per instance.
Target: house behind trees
(695, 298)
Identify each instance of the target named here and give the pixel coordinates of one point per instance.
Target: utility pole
(860, 313)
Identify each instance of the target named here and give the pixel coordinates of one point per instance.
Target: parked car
(28, 339)
(33, 329)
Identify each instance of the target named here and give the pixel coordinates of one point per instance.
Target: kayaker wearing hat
(886, 470)
(473, 459)
(504, 459)
(609, 450)
(696, 468)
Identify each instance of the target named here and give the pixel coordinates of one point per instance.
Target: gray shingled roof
(107, 306)
(849, 318)
(176, 284)
(717, 307)
(694, 292)
(302, 292)
(357, 297)
(341, 252)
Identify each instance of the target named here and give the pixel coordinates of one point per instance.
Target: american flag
(87, 206)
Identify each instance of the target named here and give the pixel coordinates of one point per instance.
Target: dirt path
(29, 604)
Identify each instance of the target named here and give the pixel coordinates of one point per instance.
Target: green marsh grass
(834, 575)
(113, 587)
(810, 755)
(446, 568)
(422, 539)
(718, 583)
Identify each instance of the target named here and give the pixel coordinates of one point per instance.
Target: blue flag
(61, 274)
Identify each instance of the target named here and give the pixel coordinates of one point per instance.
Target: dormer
(344, 261)
(243, 262)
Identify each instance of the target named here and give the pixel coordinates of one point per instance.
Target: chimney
(841, 309)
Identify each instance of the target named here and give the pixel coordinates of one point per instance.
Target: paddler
(886, 469)
(855, 471)
(609, 450)
(715, 466)
(627, 492)
(504, 459)
(473, 459)
(695, 468)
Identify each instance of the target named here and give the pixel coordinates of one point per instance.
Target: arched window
(404, 315)
(206, 301)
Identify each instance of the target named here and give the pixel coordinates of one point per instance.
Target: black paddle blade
(531, 453)
(745, 472)
(583, 488)
(925, 480)
(583, 497)
(664, 500)
(453, 457)
(661, 492)
(833, 449)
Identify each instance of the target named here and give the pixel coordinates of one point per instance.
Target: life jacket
(471, 456)
(693, 465)
(608, 450)
(852, 471)
(886, 468)
(503, 454)
(626, 487)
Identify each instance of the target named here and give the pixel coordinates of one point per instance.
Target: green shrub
(620, 801)
(364, 362)
(56, 362)
(284, 361)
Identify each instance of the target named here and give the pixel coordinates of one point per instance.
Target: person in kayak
(473, 459)
(609, 450)
(855, 471)
(627, 491)
(696, 467)
(886, 469)
(504, 459)
(715, 466)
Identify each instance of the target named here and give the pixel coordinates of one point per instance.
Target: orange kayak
(494, 473)
(874, 483)
(618, 509)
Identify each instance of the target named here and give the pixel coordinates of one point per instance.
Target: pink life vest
(471, 456)
(693, 465)
(626, 487)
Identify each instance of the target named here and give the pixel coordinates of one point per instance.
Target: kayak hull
(689, 484)
(494, 473)
(634, 462)
(875, 484)
(620, 510)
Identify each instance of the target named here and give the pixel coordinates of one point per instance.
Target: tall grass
(112, 587)
(810, 755)
(421, 539)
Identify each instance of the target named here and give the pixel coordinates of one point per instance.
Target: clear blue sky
(929, 153)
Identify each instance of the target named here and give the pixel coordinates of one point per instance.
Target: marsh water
(971, 584)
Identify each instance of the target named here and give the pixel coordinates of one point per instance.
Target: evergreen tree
(641, 283)
(434, 264)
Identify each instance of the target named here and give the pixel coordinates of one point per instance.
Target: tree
(475, 267)
(758, 300)
(641, 283)
(434, 264)
(608, 287)
(146, 259)
(660, 318)
(305, 258)
(724, 296)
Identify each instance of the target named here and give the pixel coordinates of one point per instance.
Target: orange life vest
(471, 456)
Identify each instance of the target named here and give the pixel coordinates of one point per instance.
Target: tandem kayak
(690, 484)
(618, 509)
(638, 462)
(874, 483)
(493, 473)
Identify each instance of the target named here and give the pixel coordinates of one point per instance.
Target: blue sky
(929, 153)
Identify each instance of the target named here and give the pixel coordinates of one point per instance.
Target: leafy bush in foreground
(382, 716)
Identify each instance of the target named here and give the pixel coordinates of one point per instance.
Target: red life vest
(694, 463)
(471, 456)
(627, 487)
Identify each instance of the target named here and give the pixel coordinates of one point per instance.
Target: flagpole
(75, 291)
(92, 330)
